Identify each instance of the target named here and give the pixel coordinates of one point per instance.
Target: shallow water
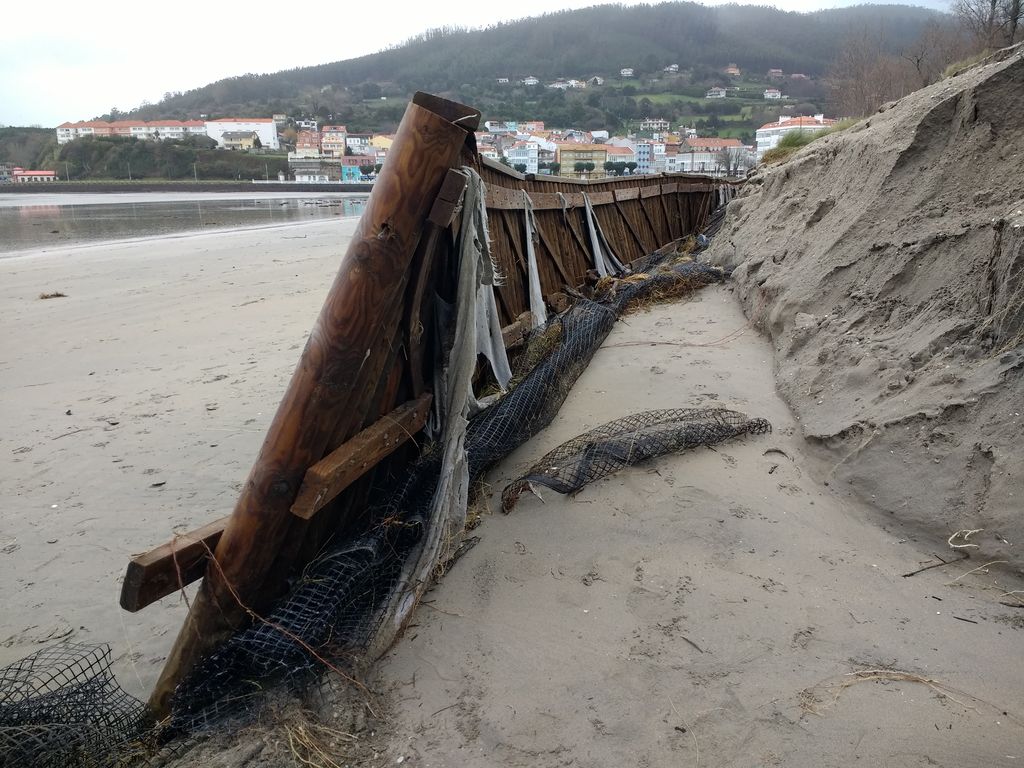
(30, 222)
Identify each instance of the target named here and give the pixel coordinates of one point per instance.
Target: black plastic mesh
(61, 707)
(627, 441)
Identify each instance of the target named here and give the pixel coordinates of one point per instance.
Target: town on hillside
(318, 152)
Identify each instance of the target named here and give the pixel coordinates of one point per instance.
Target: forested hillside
(592, 41)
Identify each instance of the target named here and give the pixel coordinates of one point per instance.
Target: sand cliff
(885, 263)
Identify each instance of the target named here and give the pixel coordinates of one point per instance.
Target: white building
(501, 126)
(715, 93)
(139, 129)
(531, 81)
(654, 124)
(263, 127)
(714, 156)
(768, 135)
(772, 93)
(502, 81)
(626, 72)
(649, 156)
(523, 153)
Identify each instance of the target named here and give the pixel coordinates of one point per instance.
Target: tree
(366, 170)
(609, 167)
(631, 167)
(980, 18)
(256, 143)
(554, 168)
(521, 167)
(579, 167)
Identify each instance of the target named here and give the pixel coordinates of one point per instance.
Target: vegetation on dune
(795, 140)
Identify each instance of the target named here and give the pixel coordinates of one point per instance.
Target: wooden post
(333, 371)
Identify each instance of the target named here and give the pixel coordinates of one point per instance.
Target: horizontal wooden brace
(169, 567)
(350, 461)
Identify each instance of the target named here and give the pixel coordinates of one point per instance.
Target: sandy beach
(708, 609)
(133, 408)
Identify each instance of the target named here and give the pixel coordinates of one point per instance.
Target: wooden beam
(347, 463)
(169, 567)
(324, 405)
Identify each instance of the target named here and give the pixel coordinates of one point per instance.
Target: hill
(600, 40)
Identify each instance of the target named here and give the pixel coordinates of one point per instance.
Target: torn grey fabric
(605, 260)
(538, 311)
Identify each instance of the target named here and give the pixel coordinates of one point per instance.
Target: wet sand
(133, 408)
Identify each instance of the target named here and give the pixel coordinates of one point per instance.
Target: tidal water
(50, 221)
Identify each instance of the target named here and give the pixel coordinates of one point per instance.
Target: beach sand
(134, 408)
(704, 610)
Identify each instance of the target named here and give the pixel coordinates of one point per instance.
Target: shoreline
(45, 250)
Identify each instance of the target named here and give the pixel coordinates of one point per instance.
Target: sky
(72, 60)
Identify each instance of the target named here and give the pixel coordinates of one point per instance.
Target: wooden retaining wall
(638, 215)
(363, 386)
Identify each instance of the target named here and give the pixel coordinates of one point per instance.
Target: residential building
(595, 80)
(599, 136)
(332, 140)
(714, 156)
(531, 80)
(359, 143)
(263, 127)
(671, 69)
(502, 81)
(312, 177)
(772, 93)
(139, 129)
(523, 153)
(577, 84)
(649, 155)
(383, 141)
(775, 74)
(715, 93)
(488, 152)
(768, 135)
(567, 155)
(733, 71)
(307, 144)
(530, 126)
(626, 72)
(309, 125)
(561, 85)
(654, 124)
(501, 126)
(620, 154)
(239, 140)
(6, 169)
(799, 76)
(21, 176)
(352, 166)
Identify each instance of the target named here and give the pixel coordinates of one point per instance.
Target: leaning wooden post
(333, 369)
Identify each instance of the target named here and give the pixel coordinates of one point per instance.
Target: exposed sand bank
(171, 356)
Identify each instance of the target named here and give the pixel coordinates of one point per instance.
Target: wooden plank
(169, 567)
(334, 373)
(504, 198)
(347, 463)
(652, 191)
(602, 198)
(627, 194)
(632, 231)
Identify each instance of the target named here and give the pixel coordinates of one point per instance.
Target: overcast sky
(72, 60)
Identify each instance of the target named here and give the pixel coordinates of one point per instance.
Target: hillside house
(671, 69)
(239, 140)
(595, 80)
(775, 74)
(307, 144)
(626, 72)
(523, 153)
(654, 124)
(772, 94)
(263, 127)
(502, 81)
(715, 93)
(733, 71)
(528, 81)
(333, 140)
